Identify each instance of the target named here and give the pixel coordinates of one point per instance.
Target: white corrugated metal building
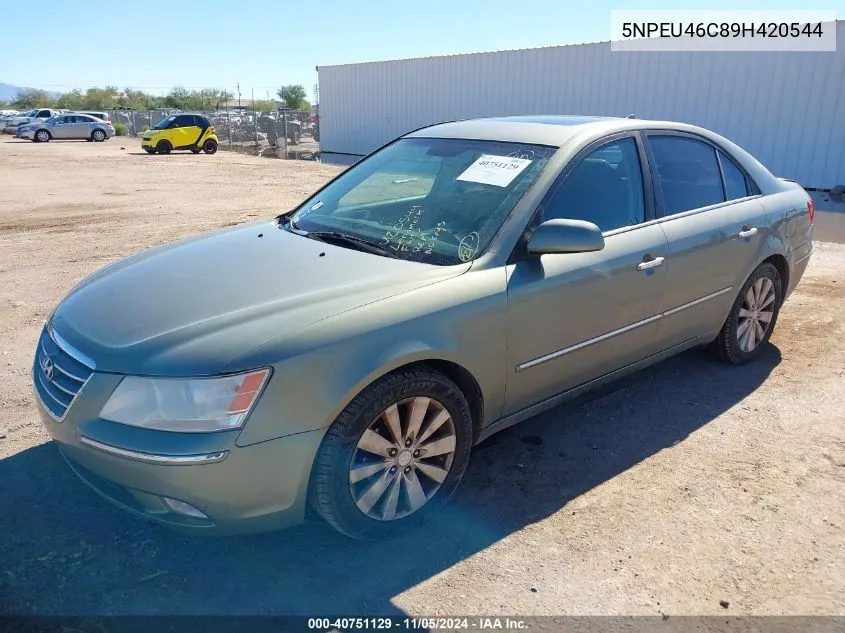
(786, 108)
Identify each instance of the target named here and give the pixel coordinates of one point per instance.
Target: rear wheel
(42, 136)
(210, 146)
(393, 456)
(752, 318)
(98, 135)
(164, 147)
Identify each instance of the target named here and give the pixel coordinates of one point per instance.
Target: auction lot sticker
(498, 171)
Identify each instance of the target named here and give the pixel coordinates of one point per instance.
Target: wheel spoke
(435, 424)
(375, 492)
(416, 494)
(744, 314)
(392, 499)
(439, 447)
(760, 331)
(743, 328)
(758, 290)
(752, 336)
(434, 472)
(769, 298)
(418, 411)
(766, 317)
(391, 415)
(363, 472)
(749, 297)
(374, 443)
(743, 338)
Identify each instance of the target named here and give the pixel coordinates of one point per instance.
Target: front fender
(308, 392)
(319, 370)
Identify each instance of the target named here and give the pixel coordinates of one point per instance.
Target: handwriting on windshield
(407, 236)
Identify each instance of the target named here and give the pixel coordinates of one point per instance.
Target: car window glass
(735, 184)
(605, 187)
(405, 179)
(44, 113)
(687, 173)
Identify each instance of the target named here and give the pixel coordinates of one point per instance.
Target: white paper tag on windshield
(494, 170)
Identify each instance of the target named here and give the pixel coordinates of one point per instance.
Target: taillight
(811, 210)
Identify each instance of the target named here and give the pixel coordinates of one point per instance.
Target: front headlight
(185, 405)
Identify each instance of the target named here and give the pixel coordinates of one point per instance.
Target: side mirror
(565, 236)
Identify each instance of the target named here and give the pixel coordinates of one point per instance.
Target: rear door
(80, 126)
(715, 223)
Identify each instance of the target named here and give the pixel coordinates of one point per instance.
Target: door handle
(747, 232)
(651, 263)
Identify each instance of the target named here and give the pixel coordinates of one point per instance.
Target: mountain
(8, 92)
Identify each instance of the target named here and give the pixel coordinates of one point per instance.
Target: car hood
(192, 307)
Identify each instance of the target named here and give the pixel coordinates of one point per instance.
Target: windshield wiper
(358, 242)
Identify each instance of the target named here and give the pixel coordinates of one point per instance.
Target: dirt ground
(690, 484)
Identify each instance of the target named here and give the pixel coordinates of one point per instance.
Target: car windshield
(162, 125)
(430, 200)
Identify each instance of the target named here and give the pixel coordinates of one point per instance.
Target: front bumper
(239, 489)
(27, 134)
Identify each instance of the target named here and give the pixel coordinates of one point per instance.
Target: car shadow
(64, 551)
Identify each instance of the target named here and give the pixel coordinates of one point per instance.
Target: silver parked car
(350, 353)
(67, 126)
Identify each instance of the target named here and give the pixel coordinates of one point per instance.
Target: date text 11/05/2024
(417, 624)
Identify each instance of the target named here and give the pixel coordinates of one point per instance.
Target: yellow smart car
(180, 131)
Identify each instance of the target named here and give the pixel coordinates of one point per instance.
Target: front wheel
(210, 146)
(752, 318)
(163, 147)
(393, 456)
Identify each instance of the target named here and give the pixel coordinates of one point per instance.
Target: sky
(262, 45)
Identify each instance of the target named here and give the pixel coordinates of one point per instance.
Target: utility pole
(239, 95)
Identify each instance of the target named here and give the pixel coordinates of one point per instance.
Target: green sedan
(350, 353)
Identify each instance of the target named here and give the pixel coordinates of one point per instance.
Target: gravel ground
(689, 485)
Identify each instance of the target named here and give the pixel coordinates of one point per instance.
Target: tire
(98, 136)
(339, 499)
(42, 136)
(210, 146)
(149, 150)
(761, 294)
(164, 147)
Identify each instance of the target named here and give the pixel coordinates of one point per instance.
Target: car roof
(553, 130)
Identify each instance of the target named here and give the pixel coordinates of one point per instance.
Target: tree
(72, 100)
(293, 96)
(30, 98)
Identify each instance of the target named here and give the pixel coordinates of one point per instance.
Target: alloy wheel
(756, 313)
(402, 458)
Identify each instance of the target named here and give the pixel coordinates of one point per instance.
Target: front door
(61, 127)
(577, 316)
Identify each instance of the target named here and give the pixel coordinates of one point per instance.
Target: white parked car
(38, 114)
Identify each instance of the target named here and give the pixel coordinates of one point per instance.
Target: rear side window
(201, 121)
(687, 173)
(605, 188)
(46, 113)
(736, 185)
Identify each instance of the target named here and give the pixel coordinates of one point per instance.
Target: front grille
(58, 375)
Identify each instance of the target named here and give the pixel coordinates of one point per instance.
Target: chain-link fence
(284, 133)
